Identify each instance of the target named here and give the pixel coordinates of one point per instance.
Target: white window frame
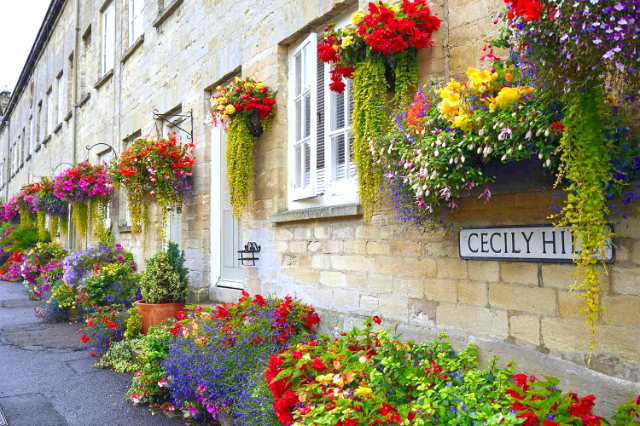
(304, 191)
(332, 193)
(136, 19)
(32, 135)
(104, 158)
(50, 108)
(60, 97)
(108, 38)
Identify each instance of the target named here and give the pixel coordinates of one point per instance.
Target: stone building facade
(98, 71)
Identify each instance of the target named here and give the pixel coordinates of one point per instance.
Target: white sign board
(528, 243)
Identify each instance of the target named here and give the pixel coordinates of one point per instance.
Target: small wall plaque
(526, 243)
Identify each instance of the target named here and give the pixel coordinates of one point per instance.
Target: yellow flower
(346, 41)
(338, 380)
(336, 47)
(230, 109)
(260, 86)
(356, 18)
(508, 96)
(219, 88)
(450, 98)
(325, 380)
(462, 122)
(479, 80)
(362, 391)
(394, 7)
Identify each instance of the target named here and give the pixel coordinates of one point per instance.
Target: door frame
(215, 213)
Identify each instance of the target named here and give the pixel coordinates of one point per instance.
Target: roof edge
(55, 7)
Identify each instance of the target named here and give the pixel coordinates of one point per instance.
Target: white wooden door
(226, 234)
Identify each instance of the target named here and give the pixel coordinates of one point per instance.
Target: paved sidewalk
(46, 374)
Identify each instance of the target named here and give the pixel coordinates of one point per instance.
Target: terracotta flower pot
(154, 313)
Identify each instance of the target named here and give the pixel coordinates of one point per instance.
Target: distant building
(4, 102)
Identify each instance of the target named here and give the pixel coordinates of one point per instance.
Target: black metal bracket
(167, 118)
(250, 249)
(60, 164)
(90, 147)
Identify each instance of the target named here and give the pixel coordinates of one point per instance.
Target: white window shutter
(320, 135)
(303, 120)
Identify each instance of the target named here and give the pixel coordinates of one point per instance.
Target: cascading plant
(584, 53)
(244, 108)
(154, 171)
(81, 186)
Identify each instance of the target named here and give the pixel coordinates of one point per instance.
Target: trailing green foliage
(54, 222)
(239, 157)
(406, 71)
(369, 124)
(41, 224)
(585, 165)
(80, 217)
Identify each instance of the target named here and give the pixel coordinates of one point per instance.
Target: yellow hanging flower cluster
(457, 99)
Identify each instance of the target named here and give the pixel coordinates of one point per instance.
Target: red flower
(84, 339)
(318, 364)
(377, 319)
(92, 354)
(174, 331)
(557, 127)
(180, 315)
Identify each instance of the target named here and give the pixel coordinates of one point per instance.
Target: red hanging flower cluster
(242, 95)
(529, 10)
(385, 29)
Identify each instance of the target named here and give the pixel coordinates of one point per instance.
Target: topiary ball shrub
(161, 283)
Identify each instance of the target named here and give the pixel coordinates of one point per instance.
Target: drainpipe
(74, 84)
(7, 167)
(74, 90)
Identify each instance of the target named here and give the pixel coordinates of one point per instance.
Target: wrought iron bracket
(250, 249)
(168, 118)
(60, 164)
(90, 147)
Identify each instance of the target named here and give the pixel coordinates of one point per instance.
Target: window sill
(106, 77)
(68, 116)
(168, 10)
(136, 44)
(46, 140)
(28, 157)
(58, 127)
(37, 148)
(84, 99)
(345, 210)
(124, 229)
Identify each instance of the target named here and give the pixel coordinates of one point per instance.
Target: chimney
(4, 101)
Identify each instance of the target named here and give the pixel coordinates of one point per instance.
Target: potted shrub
(164, 286)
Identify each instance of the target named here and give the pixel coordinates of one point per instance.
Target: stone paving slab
(47, 377)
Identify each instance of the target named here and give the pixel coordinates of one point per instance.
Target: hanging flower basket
(154, 171)
(245, 108)
(48, 205)
(379, 52)
(254, 123)
(87, 188)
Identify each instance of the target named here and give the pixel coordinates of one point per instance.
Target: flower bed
(368, 377)
(235, 340)
(34, 263)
